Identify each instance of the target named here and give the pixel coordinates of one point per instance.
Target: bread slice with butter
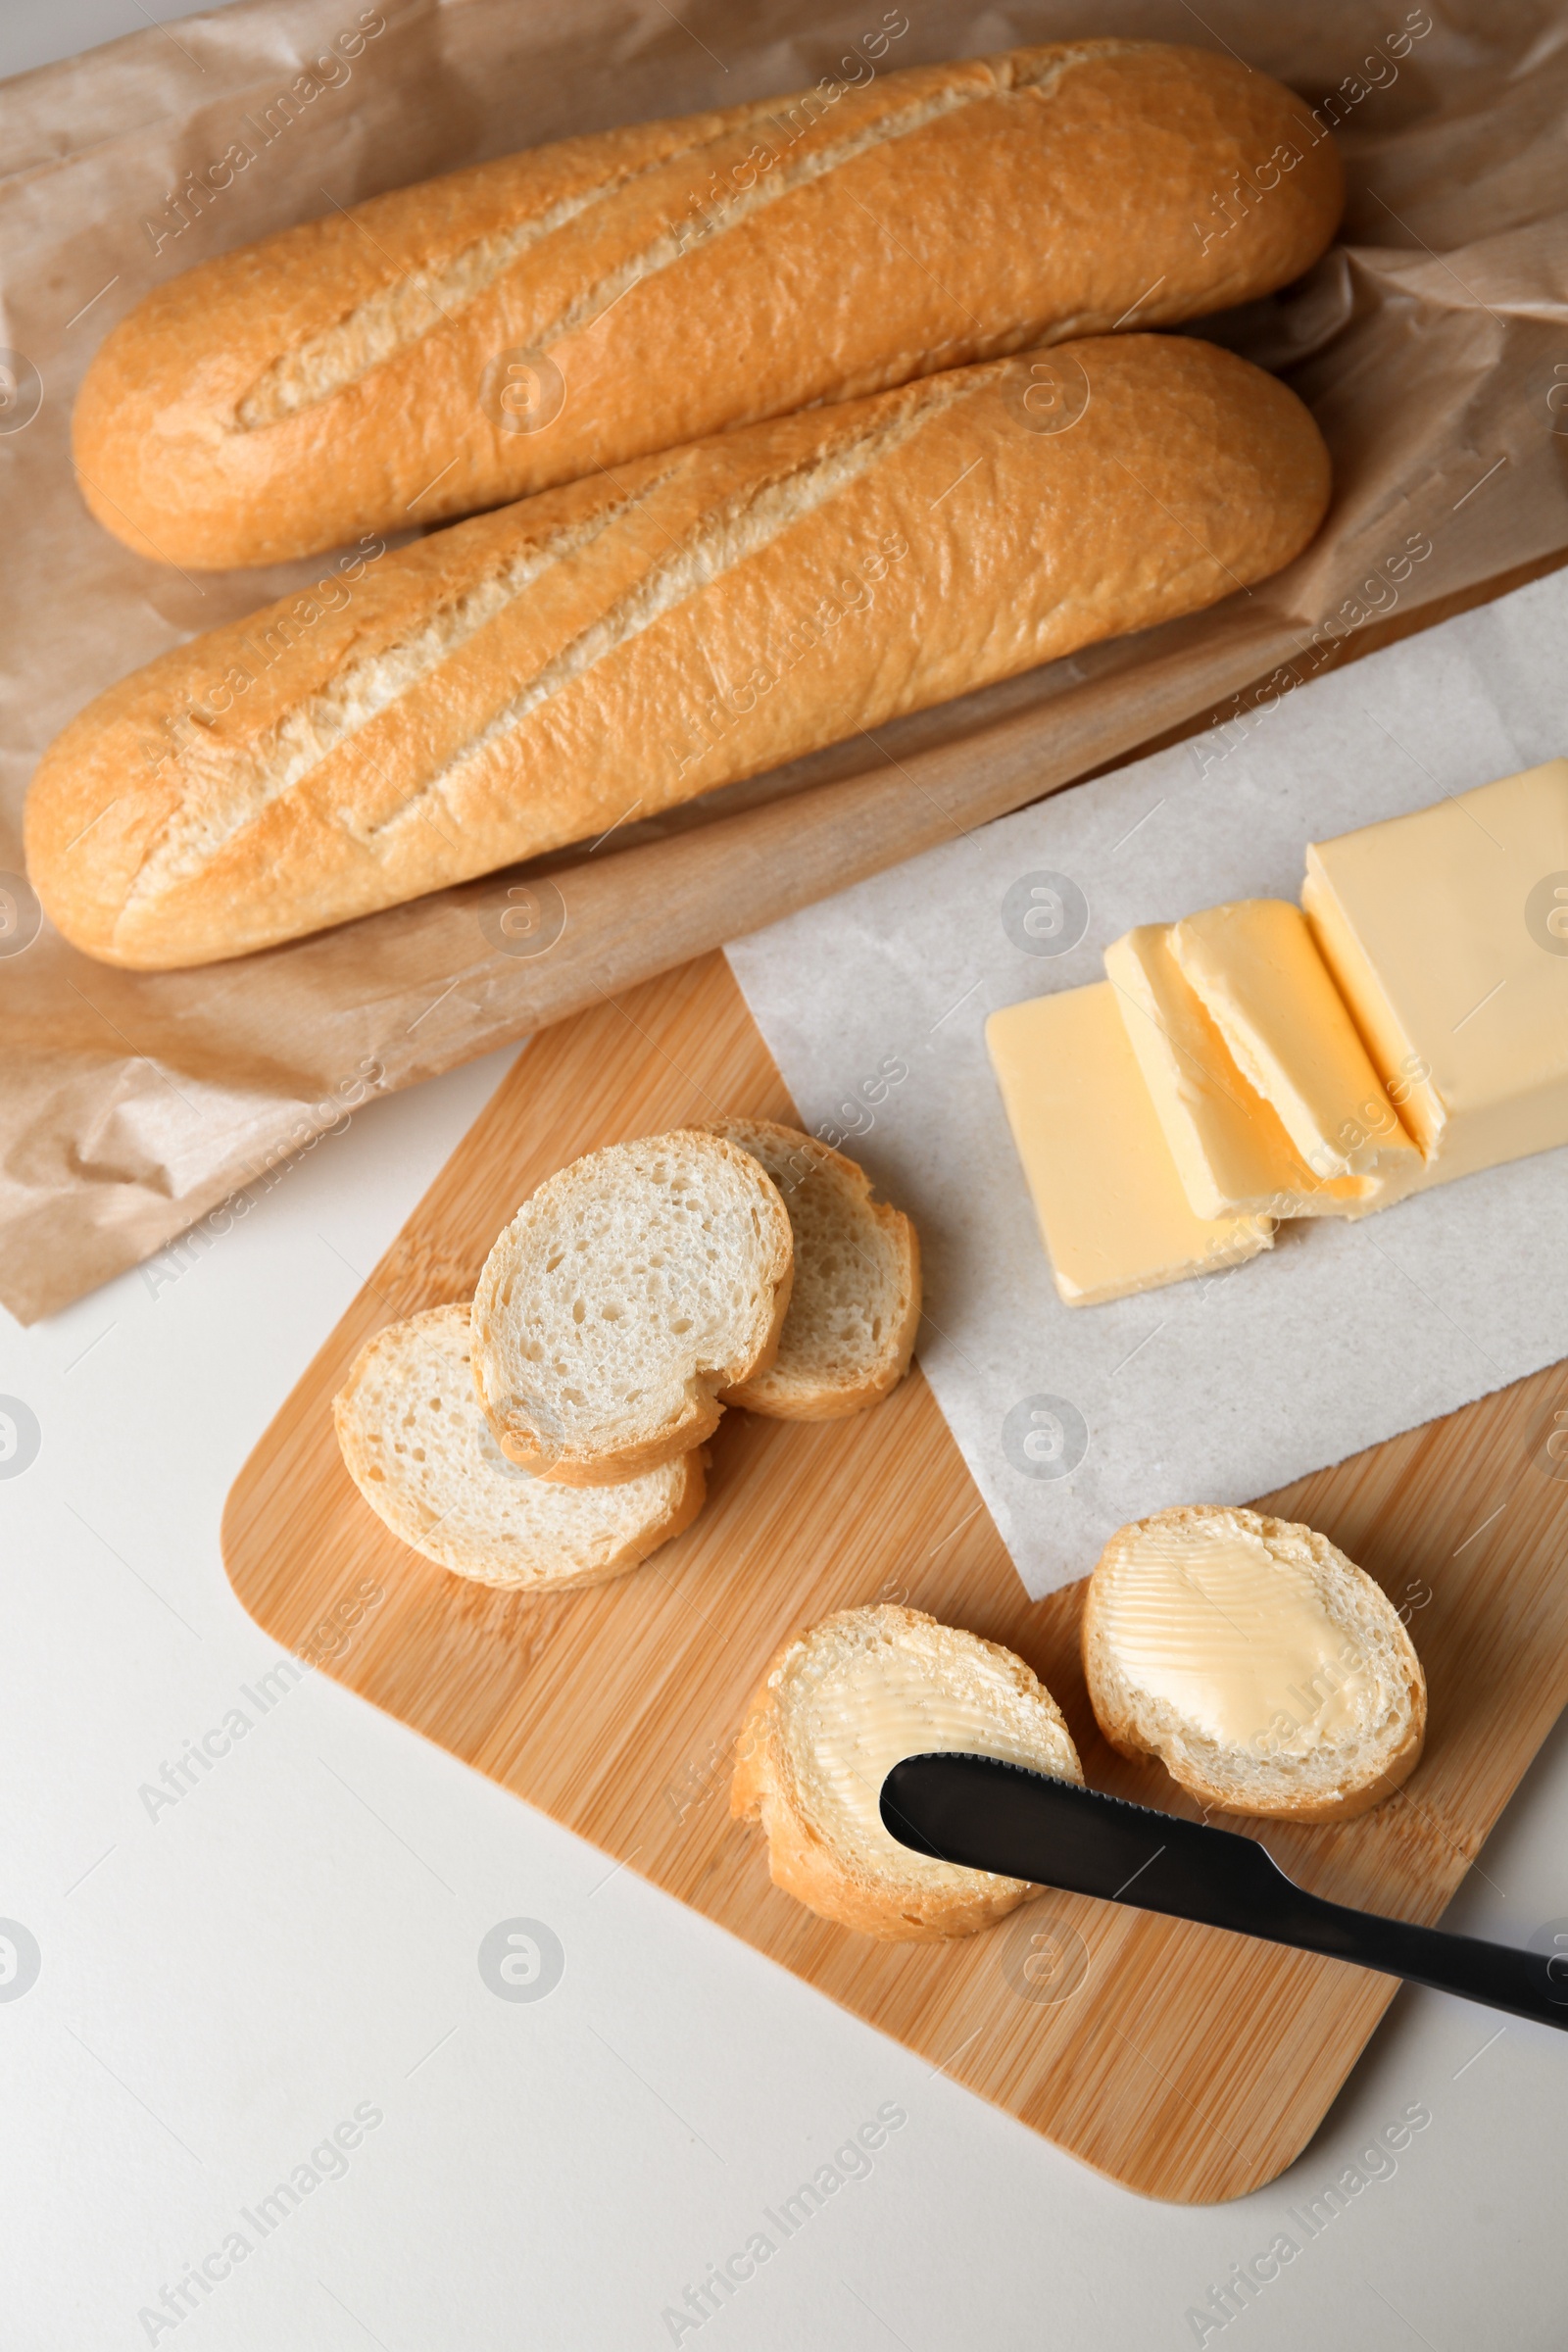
(1266, 1672)
(627, 1296)
(417, 1443)
(836, 1710)
(855, 1303)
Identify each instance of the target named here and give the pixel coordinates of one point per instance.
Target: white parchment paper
(874, 1003)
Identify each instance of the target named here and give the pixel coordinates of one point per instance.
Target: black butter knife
(988, 1815)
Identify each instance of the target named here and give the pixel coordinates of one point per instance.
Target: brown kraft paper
(1431, 343)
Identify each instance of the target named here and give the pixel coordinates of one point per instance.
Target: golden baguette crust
(524, 679)
(1350, 1780)
(854, 1307)
(351, 372)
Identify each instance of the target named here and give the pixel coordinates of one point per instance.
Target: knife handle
(1221, 1879)
(1238, 1885)
(1533, 1985)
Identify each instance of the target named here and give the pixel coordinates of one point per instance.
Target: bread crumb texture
(415, 1443)
(626, 1295)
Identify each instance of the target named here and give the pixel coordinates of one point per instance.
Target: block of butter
(1232, 1150)
(1263, 982)
(1111, 1203)
(1447, 935)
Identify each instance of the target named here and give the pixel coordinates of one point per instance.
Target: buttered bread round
(1266, 1670)
(837, 1709)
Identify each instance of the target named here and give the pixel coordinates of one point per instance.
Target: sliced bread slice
(1266, 1670)
(836, 1710)
(855, 1304)
(623, 1299)
(418, 1447)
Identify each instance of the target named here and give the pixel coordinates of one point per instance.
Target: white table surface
(226, 1979)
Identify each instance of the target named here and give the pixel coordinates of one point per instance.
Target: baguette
(530, 677)
(415, 1443)
(523, 323)
(854, 1306)
(626, 1295)
(1267, 1672)
(836, 1710)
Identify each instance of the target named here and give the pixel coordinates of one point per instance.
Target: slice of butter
(1107, 1192)
(1232, 1151)
(1203, 1616)
(1267, 990)
(1447, 935)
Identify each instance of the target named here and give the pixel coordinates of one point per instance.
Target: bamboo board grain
(1186, 2064)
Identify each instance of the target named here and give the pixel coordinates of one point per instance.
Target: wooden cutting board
(1186, 2062)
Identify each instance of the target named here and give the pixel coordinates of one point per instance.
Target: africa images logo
(1045, 1436)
